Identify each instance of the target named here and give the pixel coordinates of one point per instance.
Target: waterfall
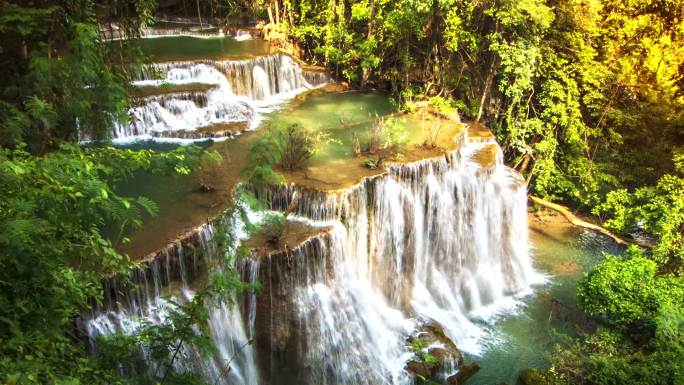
(171, 113)
(434, 242)
(176, 272)
(242, 90)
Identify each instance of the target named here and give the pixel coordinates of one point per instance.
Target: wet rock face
(279, 330)
(436, 357)
(464, 373)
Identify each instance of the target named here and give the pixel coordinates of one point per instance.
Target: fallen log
(572, 218)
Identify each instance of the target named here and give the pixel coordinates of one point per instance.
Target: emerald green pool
(183, 206)
(525, 338)
(170, 48)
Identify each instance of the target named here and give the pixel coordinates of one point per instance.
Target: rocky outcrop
(279, 330)
(532, 377)
(436, 358)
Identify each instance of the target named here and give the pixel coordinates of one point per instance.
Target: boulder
(436, 357)
(532, 377)
(465, 371)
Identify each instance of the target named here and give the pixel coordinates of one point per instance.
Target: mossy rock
(531, 376)
(435, 354)
(465, 371)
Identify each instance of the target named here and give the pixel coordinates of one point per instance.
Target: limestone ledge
(191, 241)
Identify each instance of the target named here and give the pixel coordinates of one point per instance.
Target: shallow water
(170, 48)
(523, 338)
(182, 206)
(349, 116)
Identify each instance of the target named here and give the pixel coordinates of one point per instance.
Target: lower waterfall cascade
(240, 91)
(442, 240)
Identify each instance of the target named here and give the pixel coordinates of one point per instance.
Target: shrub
(272, 228)
(626, 293)
(386, 133)
(297, 146)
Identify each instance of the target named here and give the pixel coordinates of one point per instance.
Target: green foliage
(626, 293)
(386, 133)
(419, 348)
(658, 210)
(60, 80)
(371, 164)
(295, 146)
(53, 253)
(395, 134)
(585, 97)
(443, 106)
(285, 147)
(272, 227)
(645, 312)
(288, 147)
(608, 358)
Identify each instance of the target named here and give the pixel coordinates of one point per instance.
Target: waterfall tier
(241, 90)
(432, 242)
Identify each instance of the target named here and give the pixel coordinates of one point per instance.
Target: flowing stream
(438, 241)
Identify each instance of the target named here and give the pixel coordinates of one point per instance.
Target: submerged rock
(531, 376)
(465, 371)
(568, 316)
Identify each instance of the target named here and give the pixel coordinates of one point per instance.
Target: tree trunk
(365, 72)
(277, 11)
(578, 222)
(290, 15)
(270, 14)
(199, 15)
(488, 84)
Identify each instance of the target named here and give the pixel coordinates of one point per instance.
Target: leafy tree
(658, 210)
(60, 79)
(627, 293)
(53, 253)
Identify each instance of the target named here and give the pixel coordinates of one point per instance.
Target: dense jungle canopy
(586, 98)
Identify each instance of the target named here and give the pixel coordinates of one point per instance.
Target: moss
(532, 377)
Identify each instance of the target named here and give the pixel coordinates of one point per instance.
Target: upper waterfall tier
(235, 93)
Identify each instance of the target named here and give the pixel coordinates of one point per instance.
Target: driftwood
(581, 223)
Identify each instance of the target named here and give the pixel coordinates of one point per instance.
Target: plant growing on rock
(288, 147)
(431, 132)
(424, 364)
(386, 134)
(272, 228)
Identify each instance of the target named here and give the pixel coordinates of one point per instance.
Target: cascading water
(172, 113)
(436, 241)
(240, 91)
